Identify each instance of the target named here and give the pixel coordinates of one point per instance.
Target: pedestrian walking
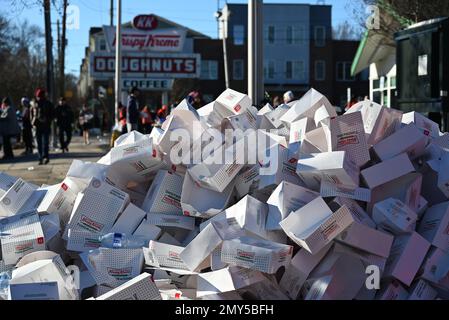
(132, 110)
(288, 97)
(85, 119)
(122, 118)
(41, 119)
(27, 128)
(64, 120)
(147, 120)
(9, 127)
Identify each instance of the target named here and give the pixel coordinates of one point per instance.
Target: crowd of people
(32, 122)
(144, 119)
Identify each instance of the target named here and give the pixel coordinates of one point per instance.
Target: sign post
(118, 61)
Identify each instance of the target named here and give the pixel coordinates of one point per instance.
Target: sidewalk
(27, 168)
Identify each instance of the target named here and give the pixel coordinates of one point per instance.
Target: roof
(374, 47)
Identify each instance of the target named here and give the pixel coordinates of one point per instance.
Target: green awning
(373, 47)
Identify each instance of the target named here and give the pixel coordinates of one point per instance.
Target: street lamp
(218, 15)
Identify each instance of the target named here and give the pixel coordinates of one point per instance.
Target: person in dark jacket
(41, 118)
(27, 128)
(64, 120)
(132, 110)
(9, 127)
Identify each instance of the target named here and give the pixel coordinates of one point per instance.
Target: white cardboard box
(6, 182)
(388, 121)
(22, 234)
(370, 112)
(167, 220)
(129, 220)
(34, 291)
(196, 253)
(164, 195)
(301, 265)
(45, 269)
(15, 198)
(262, 255)
(408, 140)
(435, 268)
(362, 237)
(394, 216)
(433, 226)
(394, 290)
(356, 210)
(233, 102)
(307, 106)
(147, 231)
(164, 255)
(406, 256)
(427, 126)
(330, 190)
(97, 208)
(287, 197)
(227, 280)
(422, 290)
(315, 225)
(347, 134)
(82, 240)
(113, 267)
(200, 202)
(60, 198)
(334, 167)
(141, 287)
(342, 280)
(387, 171)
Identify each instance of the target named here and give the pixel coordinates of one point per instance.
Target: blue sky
(195, 14)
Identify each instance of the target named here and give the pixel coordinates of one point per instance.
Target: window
(102, 45)
(270, 32)
(295, 34)
(237, 69)
(294, 70)
(289, 35)
(269, 69)
(239, 35)
(320, 70)
(344, 71)
(320, 36)
(209, 70)
(299, 34)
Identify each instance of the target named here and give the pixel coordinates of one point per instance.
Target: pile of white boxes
(344, 207)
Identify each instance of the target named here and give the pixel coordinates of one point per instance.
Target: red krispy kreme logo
(154, 153)
(40, 240)
(64, 187)
(145, 22)
(237, 108)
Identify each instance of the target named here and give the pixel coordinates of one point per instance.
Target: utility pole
(112, 13)
(255, 51)
(49, 51)
(58, 41)
(62, 55)
(118, 59)
(222, 17)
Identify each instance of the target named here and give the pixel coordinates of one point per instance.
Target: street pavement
(27, 168)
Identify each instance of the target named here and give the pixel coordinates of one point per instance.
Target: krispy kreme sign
(145, 22)
(168, 40)
(139, 65)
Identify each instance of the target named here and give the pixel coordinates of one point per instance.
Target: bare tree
(394, 15)
(347, 31)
